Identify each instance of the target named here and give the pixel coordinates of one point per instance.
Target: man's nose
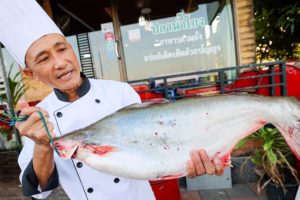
(59, 62)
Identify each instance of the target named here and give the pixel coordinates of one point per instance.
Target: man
(75, 102)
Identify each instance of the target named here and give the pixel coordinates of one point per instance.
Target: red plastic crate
(146, 95)
(166, 189)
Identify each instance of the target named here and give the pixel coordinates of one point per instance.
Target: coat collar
(81, 91)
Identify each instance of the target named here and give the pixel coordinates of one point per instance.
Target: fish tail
(285, 116)
(288, 123)
(291, 135)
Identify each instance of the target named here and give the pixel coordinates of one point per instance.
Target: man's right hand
(33, 127)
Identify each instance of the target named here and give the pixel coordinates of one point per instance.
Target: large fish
(154, 142)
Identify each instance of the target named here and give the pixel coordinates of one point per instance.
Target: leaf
(272, 156)
(16, 86)
(267, 145)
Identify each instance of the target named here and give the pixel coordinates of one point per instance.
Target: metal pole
(283, 88)
(8, 96)
(271, 71)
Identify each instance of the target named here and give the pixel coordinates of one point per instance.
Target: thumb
(22, 104)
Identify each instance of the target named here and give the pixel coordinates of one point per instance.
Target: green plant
(274, 159)
(17, 88)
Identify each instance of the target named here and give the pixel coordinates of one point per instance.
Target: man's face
(52, 60)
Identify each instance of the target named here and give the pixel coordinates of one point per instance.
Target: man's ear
(28, 72)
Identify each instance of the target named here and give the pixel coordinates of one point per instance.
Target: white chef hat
(21, 23)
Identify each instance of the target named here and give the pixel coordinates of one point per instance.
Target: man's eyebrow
(59, 43)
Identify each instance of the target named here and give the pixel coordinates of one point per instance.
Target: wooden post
(244, 31)
(119, 42)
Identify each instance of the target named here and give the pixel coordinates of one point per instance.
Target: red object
(109, 36)
(166, 189)
(194, 91)
(146, 95)
(245, 80)
(292, 80)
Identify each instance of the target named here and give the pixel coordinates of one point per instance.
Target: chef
(76, 101)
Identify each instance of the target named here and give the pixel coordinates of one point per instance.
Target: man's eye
(43, 59)
(62, 49)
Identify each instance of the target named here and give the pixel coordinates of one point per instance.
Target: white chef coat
(79, 181)
(298, 194)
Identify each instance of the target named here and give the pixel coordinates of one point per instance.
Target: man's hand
(201, 164)
(33, 127)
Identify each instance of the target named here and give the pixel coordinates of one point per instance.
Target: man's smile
(65, 76)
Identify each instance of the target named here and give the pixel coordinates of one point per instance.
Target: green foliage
(277, 29)
(16, 86)
(273, 158)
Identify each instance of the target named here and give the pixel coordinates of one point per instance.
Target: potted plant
(17, 89)
(274, 164)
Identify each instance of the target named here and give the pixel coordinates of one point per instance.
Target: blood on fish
(58, 146)
(226, 160)
(100, 150)
(291, 131)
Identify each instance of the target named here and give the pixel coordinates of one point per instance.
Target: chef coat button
(79, 164)
(90, 190)
(59, 114)
(97, 100)
(116, 180)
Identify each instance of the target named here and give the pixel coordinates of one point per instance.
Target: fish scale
(154, 142)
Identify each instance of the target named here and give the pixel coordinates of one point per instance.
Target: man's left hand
(200, 164)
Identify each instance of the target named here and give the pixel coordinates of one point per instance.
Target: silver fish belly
(155, 142)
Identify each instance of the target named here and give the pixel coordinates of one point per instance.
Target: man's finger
(22, 104)
(208, 165)
(197, 162)
(219, 166)
(190, 169)
(29, 110)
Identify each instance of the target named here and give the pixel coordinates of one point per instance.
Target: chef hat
(21, 23)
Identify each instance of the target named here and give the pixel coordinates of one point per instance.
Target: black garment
(30, 182)
(81, 90)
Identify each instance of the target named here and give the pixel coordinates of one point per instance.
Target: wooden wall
(245, 31)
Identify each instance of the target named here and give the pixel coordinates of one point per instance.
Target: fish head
(66, 148)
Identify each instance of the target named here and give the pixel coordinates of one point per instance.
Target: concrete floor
(10, 190)
(237, 192)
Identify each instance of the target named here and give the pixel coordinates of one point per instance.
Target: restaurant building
(140, 39)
